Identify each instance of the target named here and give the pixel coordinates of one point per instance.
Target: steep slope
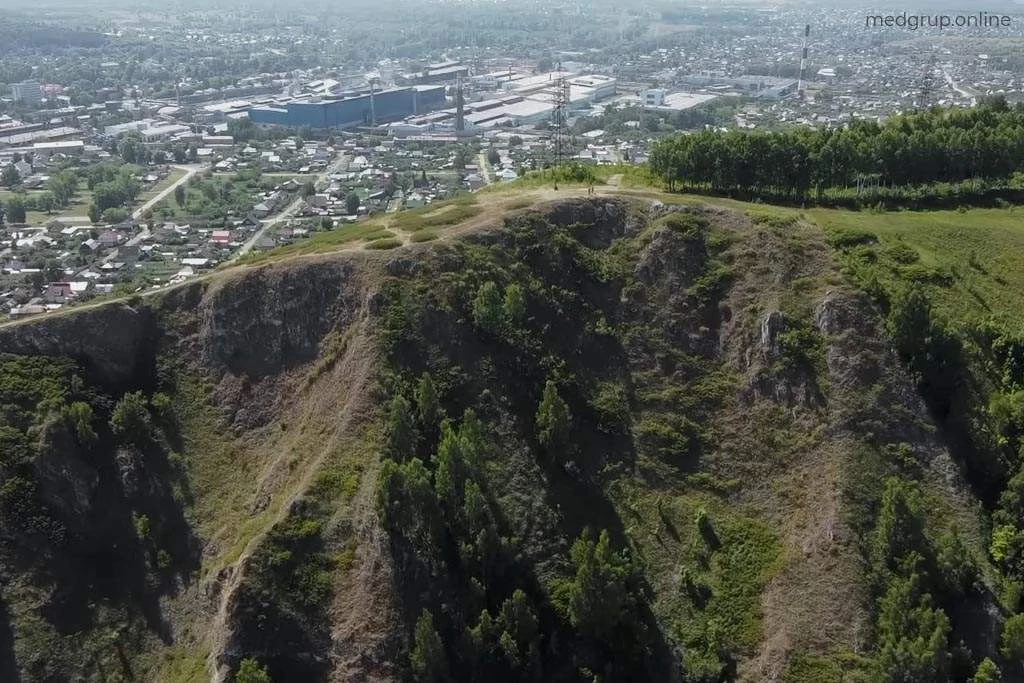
(367, 466)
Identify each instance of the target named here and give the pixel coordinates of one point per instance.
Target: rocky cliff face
(710, 364)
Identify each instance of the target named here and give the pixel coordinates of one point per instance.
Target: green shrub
(1012, 642)
(130, 420)
(846, 238)
(902, 253)
(423, 236)
(79, 415)
(771, 220)
(667, 438)
(250, 671)
(611, 403)
(689, 224)
(384, 243)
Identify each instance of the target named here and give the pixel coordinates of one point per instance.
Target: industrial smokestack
(803, 62)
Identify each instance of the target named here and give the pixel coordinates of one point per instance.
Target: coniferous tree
(553, 421)
(599, 598)
(487, 308)
(912, 634)
(988, 672)
(400, 432)
(427, 403)
(899, 530)
(428, 658)
(514, 306)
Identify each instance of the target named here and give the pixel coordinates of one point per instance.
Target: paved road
(153, 201)
(267, 224)
(953, 85)
(320, 183)
(485, 168)
(189, 172)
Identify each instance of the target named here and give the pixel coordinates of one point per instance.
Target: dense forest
(968, 152)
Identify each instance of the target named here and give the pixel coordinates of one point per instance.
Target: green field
(972, 261)
(78, 206)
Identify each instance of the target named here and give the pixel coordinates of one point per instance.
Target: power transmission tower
(560, 119)
(928, 84)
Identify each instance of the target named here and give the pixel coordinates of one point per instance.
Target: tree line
(985, 143)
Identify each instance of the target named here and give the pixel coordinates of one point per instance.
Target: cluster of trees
(60, 189)
(113, 187)
(972, 379)
(435, 503)
(916, 582)
(494, 312)
(13, 210)
(638, 120)
(986, 142)
(10, 177)
(438, 510)
(244, 130)
(912, 632)
(215, 198)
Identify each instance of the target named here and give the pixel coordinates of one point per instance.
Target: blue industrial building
(345, 112)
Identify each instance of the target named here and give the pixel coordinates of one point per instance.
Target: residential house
(110, 239)
(249, 221)
(57, 292)
(61, 292)
(221, 237)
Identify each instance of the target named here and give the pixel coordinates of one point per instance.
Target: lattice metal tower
(927, 84)
(560, 119)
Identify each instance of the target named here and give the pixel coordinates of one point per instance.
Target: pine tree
(427, 404)
(899, 530)
(912, 635)
(450, 474)
(427, 657)
(553, 421)
(514, 307)
(599, 598)
(400, 432)
(988, 672)
(487, 308)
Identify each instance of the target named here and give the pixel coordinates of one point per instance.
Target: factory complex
(444, 97)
